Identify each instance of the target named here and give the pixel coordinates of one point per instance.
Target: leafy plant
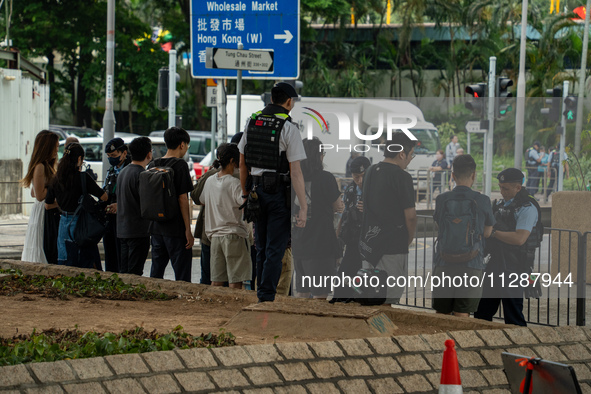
(54, 344)
(112, 288)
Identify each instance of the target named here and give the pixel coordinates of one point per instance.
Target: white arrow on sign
(287, 36)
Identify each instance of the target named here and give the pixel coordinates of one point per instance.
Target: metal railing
(562, 252)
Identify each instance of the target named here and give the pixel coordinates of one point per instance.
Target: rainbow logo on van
(323, 125)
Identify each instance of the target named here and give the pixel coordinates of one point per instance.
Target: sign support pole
(222, 125)
(562, 136)
(238, 94)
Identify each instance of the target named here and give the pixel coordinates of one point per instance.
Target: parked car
(200, 143)
(72, 131)
(93, 148)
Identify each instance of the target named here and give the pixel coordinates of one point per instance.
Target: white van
(335, 120)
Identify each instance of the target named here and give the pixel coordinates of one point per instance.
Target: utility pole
(582, 75)
(520, 110)
(491, 124)
(172, 88)
(109, 117)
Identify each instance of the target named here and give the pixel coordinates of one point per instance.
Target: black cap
(114, 144)
(287, 89)
(510, 175)
(359, 165)
(236, 138)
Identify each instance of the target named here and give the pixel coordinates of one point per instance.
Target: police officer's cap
(359, 165)
(510, 175)
(287, 89)
(236, 138)
(115, 144)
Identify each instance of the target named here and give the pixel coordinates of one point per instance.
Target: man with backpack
(517, 233)
(389, 215)
(460, 212)
(172, 238)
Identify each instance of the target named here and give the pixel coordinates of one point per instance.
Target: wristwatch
(492, 234)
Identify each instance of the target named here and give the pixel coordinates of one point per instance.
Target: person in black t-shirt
(315, 247)
(389, 214)
(66, 189)
(173, 240)
(133, 232)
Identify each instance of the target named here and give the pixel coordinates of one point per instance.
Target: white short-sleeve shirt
(290, 142)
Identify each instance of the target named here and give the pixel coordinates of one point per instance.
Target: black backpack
(158, 198)
(459, 240)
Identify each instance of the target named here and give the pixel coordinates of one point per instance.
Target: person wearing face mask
(116, 151)
(437, 168)
(350, 227)
(228, 232)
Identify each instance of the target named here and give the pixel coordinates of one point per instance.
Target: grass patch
(59, 286)
(54, 345)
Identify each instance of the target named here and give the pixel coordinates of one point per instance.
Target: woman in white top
(41, 171)
(222, 196)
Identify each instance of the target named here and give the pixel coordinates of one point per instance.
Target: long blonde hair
(43, 153)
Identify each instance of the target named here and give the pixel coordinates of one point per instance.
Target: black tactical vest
(517, 258)
(111, 181)
(262, 144)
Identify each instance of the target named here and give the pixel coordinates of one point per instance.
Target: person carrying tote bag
(67, 190)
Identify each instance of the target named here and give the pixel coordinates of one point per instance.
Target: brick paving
(403, 364)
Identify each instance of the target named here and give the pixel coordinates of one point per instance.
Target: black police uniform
(272, 227)
(110, 241)
(509, 259)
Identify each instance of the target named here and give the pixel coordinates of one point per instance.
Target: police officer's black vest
(262, 144)
(555, 162)
(111, 181)
(505, 218)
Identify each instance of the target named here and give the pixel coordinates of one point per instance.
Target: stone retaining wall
(404, 364)
(400, 364)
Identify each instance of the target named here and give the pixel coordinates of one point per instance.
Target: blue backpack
(459, 240)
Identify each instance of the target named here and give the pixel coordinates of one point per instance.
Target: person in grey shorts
(222, 196)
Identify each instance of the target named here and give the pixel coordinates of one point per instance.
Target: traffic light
(501, 96)
(478, 91)
(553, 112)
(162, 96)
(570, 109)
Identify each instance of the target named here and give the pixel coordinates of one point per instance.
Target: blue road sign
(272, 25)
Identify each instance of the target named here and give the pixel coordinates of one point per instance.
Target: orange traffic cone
(450, 371)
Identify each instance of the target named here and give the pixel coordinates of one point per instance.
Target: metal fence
(562, 251)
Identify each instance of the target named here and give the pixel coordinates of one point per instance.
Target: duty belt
(258, 179)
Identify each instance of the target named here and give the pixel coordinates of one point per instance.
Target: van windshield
(428, 141)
